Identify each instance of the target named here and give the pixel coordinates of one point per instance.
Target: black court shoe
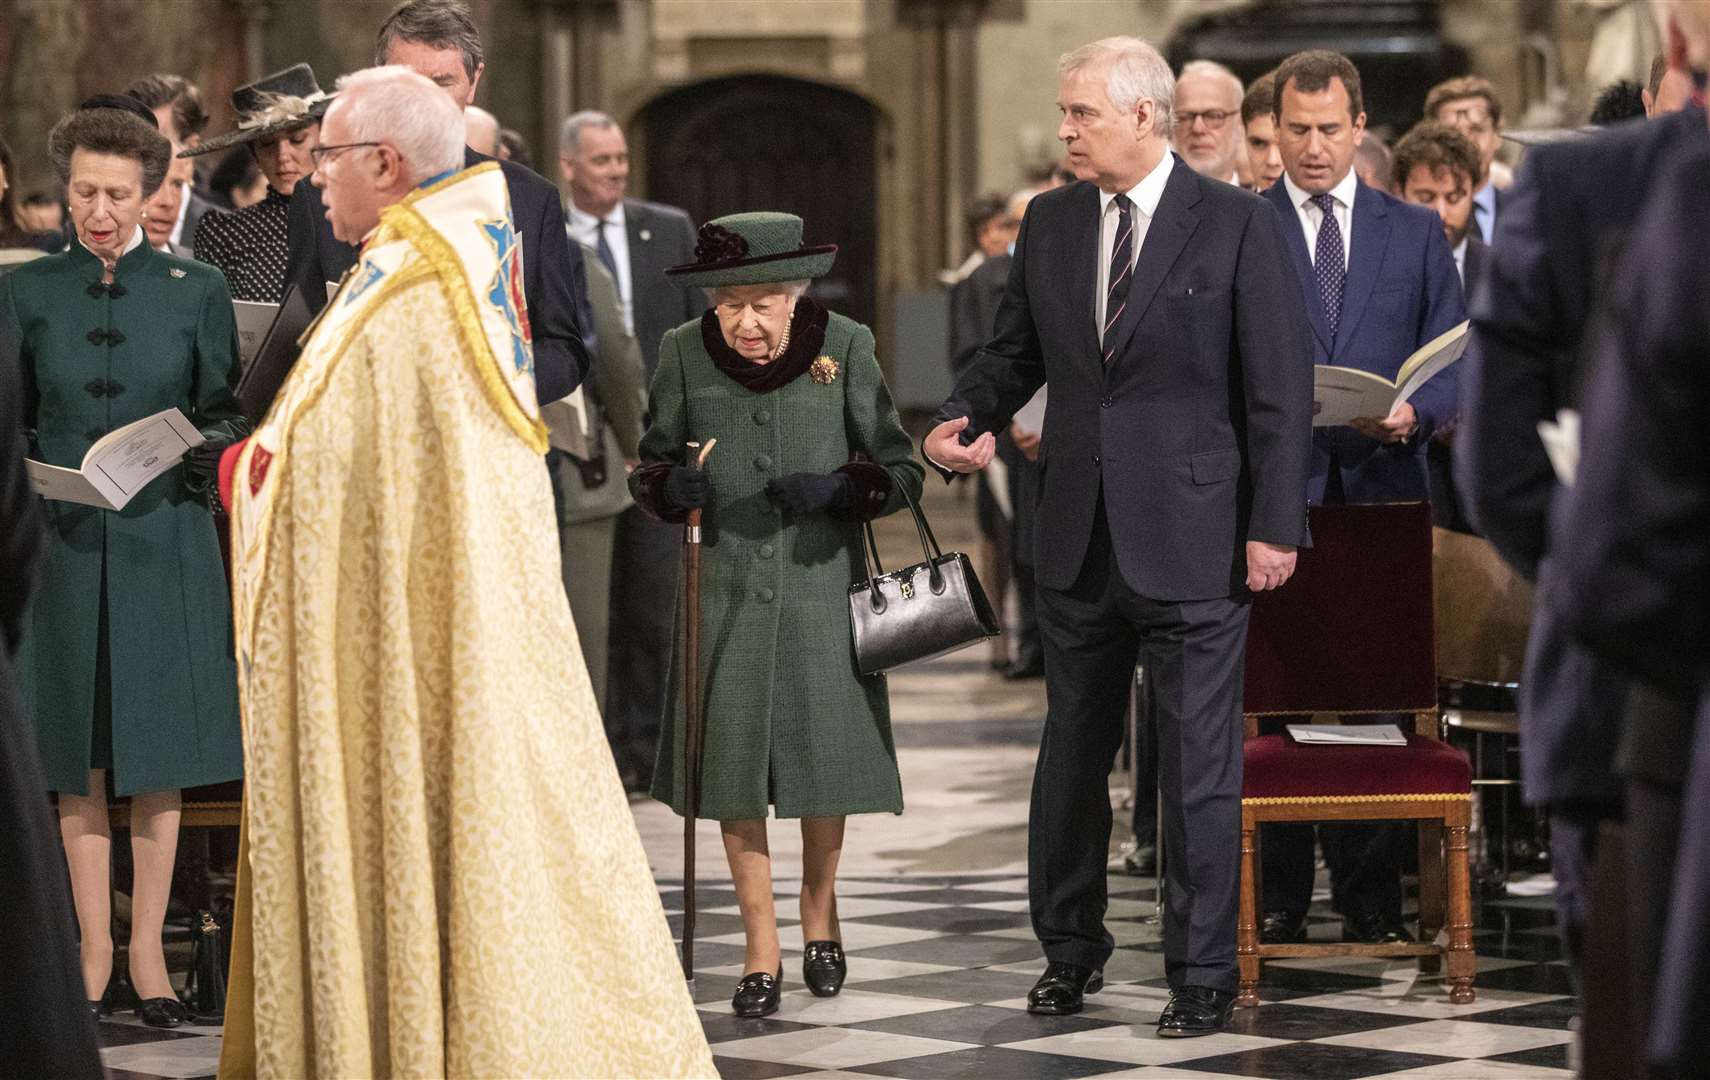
(163, 1012)
(758, 993)
(824, 968)
(1058, 992)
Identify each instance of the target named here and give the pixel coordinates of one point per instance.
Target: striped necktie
(1121, 270)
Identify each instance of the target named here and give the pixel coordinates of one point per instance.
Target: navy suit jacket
(553, 286)
(1196, 435)
(1401, 291)
(1567, 215)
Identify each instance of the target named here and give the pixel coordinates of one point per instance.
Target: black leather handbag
(921, 611)
(210, 964)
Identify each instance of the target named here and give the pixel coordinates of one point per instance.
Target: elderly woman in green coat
(125, 660)
(809, 446)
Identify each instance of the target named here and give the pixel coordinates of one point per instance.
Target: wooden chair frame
(1445, 886)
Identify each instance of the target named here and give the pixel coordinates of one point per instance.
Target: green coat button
(763, 462)
(765, 551)
(762, 416)
(763, 595)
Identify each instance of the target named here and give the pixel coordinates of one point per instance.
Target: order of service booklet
(120, 464)
(1342, 395)
(1347, 734)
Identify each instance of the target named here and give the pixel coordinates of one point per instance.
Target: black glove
(202, 466)
(805, 493)
(687, 489)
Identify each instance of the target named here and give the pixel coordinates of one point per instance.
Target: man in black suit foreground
(437, 38)
(1595, 744)
(1161, 309)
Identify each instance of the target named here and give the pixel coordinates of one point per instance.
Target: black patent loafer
(163, 1012)
(824, 968)
(1195, 1011)
(758, 994)
(1059, 991)
(1282, 928)
(1376, 928)
(95, 1008)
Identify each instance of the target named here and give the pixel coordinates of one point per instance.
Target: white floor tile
(1454, 1038)
(835, 1048)
(1141, 1045)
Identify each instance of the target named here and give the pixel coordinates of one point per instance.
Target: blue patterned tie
(1121, 269)
(1327, 262)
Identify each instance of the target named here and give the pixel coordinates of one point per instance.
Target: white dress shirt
(1460, 254)
(1144, 198)
(584, 228)
(1311, 217)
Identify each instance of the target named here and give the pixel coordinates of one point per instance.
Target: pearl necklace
(783, 343)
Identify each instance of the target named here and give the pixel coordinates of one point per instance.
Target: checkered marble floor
(939, 968)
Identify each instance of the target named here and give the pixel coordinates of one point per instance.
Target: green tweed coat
(153, 569)
(789, 721)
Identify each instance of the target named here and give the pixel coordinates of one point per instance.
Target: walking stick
(691, 708)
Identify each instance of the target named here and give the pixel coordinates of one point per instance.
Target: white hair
(1133, 72)
(394, 105)
(1211, 69)
(791, 289)
(570, 134)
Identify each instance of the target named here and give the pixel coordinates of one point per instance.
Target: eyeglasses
(1214, 119)
(320, 154)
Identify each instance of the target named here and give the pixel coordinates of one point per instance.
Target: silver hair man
(1134, 71)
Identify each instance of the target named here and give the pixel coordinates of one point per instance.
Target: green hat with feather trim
(757, 248)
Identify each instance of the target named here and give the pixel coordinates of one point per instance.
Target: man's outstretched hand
(944, 447)
(1268, 565)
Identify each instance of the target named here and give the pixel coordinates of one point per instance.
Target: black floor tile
(1311, 1061)
(744, 1069)
(711, 988)
(960, 950)
(1556, 1015)
(708, 925)
(1532, 979)
(709, 954)
(974, 986)
(987, 1062)
(951, 920)
(1543, 1057)
(984, 1024)
(724, 1027)
(111, 1034)
(946, 895)
(1303, 1021)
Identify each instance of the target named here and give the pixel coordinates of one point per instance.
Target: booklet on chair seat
(120, 464)
(1341, 395)
(1347, 734)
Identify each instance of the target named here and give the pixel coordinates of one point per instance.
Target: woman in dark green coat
(809, 445)
(126, 662)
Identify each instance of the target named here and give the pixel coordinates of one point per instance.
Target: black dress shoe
(1282, 928)
(824, 968)
(758, 993)
(1194, 1011)
(1375, 928)
(1058, 991)
(163, 1012)
(1032, 670)
(1142, 861)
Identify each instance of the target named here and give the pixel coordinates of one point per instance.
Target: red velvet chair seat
(1276, 767)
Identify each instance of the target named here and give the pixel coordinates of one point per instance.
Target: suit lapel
(1166, 236)
(1295, 237)
(1365, 262)
(1084, 244)
(633, 227)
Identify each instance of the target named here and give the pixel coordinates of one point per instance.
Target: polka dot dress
(249, 247)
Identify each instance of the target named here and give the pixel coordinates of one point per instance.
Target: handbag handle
(929, 550)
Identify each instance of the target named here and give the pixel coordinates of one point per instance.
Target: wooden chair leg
(1463, 963)
(1431, 884)
(1247, 924)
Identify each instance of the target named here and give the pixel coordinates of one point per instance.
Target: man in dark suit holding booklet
(1378, 282)
(1159, 307)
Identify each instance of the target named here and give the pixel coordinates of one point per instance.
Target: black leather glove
(202, 466)
(687, 489)
(806, 493)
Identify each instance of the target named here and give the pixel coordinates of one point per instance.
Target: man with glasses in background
(1208, 120)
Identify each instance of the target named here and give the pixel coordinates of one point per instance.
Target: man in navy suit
(1595, 744)
(437, 39)
(1377, 281)
(1160, 309)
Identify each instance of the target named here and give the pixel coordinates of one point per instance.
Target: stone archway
(767, 142)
